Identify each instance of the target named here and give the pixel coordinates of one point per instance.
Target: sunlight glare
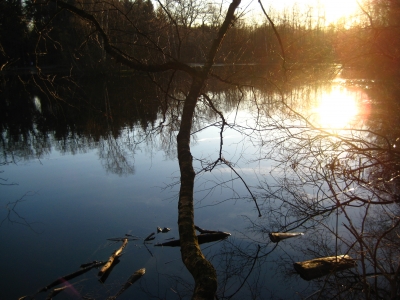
(331, 11)
(336, 109)
(335, 10)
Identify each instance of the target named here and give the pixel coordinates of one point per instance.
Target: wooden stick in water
(278, 236)
(201, 230)
(201, 238)
(318, 267)
(55, 292)
(70, 276)
(135, 277)
(112, 257)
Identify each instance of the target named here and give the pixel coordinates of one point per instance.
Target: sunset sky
(333, 9)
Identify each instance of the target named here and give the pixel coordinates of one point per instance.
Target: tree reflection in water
(336, 185)
(340, 187)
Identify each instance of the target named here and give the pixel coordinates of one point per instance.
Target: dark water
(96, 170)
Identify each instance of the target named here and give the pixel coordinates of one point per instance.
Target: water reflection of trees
(86, 117)
(318, 175)
(108, 113)
(90, 119)
(241, 269)
(341, 187)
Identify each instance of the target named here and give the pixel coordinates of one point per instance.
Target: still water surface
(70, 202)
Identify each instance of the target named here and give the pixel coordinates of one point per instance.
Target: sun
(329, 10)
(339, 9)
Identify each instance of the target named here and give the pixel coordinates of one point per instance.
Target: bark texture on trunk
(202, 270)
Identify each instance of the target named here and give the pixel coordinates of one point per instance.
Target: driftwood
(323, 266)
(201, 230)
(136, 276)
(70, 276)
(202, 239)
(107, 273)
(278, 236)
(112, 257)
(55, 292)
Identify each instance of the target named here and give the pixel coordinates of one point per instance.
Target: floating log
(70, 276)
(135, 277)
(202, 239)
(323, 266)
(278, 236)
(55, 292)
(201, 230)
(112, 257)
(107, 273)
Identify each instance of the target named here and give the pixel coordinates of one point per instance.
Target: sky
(333, 9)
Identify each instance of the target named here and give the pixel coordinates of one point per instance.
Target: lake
(98, 165)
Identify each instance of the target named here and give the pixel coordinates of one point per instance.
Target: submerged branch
(135, 277)
(71, 276)
(112, 258)
(202, 238)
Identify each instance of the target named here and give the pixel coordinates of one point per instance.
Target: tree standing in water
(201, 269)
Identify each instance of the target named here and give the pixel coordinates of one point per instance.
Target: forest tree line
(38, 33)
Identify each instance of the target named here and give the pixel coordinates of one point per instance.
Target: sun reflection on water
(337, 108)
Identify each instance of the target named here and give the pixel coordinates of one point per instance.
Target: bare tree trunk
(201, 269)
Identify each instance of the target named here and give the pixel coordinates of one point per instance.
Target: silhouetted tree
(14, 44)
